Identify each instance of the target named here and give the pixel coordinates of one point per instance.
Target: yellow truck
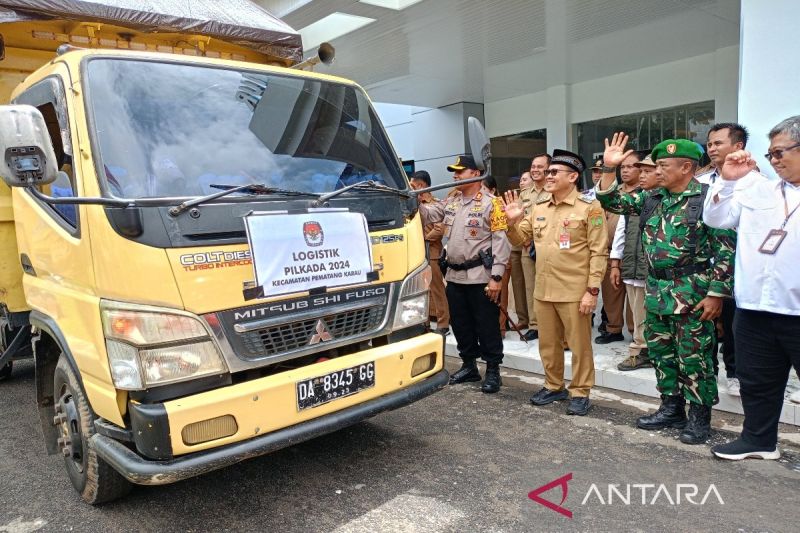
(141, 174)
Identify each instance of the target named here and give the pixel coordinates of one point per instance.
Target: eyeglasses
(778, 154)
(553, 171)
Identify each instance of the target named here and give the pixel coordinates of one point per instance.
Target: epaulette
(545, 198)
(586, 197)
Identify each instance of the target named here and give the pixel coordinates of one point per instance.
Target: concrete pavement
(457, 461)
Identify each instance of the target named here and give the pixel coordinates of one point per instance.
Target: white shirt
(618, 246)
(754, 204)
(708, 178)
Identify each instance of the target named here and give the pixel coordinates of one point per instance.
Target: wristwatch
(594, 291)
(497, 278)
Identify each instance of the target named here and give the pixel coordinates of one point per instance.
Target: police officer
(690, 271)
(571, 241)
(476, 256)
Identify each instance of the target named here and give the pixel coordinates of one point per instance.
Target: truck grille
(292, 336)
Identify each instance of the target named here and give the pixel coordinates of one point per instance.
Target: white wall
(431, 137)
(695, 79)
(769, 77)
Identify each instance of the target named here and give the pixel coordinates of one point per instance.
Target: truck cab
(158, 357)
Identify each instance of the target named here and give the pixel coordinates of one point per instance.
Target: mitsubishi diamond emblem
(322, 334)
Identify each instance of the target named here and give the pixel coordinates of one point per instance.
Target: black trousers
(475, 321)
(767, 346)
(729, 342)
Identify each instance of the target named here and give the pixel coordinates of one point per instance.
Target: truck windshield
(168, 129)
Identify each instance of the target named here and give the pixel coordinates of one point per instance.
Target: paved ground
(457, 461)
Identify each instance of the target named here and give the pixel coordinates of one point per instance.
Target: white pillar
(768, 73)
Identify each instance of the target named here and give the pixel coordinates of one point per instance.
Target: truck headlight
(412, 306)
(149, 346)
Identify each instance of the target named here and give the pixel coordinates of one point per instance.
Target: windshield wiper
(250, 188)
(363, 186)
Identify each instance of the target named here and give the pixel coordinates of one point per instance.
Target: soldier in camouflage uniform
(690, 271)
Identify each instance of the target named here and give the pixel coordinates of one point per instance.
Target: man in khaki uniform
(517, 274)
(568, 231)
(529, 196)
(433, 237)
(476, 256)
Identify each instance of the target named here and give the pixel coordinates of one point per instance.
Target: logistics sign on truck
(123, 173)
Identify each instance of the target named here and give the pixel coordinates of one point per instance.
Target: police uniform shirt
(565, 267)
(470, 226)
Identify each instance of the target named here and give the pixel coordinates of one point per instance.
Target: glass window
(646, 129)
(172, 130)
(48, 97)
(511, 155)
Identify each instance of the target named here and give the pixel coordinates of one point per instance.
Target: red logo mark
(562, 482)
(312, 231)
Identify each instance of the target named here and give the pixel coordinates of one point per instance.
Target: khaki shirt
(433, 233)
(564, 271)
(470, 227)
(529, 197)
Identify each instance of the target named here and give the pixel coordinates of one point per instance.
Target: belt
(680, 271)
(466, 265)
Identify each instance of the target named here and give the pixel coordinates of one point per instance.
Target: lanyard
(786, 211)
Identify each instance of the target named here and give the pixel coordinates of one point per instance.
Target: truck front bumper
(142, 471)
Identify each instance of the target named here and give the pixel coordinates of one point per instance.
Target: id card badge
(772, 242)
(563, 241)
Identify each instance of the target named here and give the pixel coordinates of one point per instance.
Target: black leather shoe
(672, 413)
(547, 396)
(602, 327)
(492, 381)
(579, 406)
(468, 372)
(605, 338)
(699, 427)
(531, 335)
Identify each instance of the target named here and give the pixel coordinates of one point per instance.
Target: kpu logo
(312, 231)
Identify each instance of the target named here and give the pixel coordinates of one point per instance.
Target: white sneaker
(733, 387)
(795, 396)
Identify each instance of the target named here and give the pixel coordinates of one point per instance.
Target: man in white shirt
(724, 138)
(767, 289)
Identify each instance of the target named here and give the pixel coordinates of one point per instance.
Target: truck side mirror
(479, 144)
(27, 158)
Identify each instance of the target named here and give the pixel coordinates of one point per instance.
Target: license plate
(323, 389)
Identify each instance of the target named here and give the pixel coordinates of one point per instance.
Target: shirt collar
(569, 199)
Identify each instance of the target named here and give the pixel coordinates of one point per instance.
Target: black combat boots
(672, 413)
(492, 381)
(467, 372)
(699, 427)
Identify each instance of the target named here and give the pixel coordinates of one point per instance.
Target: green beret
(677, 148)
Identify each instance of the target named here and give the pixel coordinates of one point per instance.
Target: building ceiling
(438, 52)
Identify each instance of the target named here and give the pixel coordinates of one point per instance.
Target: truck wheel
(92, 477)
(6, 370)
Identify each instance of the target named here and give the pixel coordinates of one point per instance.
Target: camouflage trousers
(681, 348)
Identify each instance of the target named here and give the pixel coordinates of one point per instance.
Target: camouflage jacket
(669, 243)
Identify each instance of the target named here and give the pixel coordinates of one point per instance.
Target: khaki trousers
(519, 287)
(439, 307)
(635, 298)
(559, 321)
(613, 303)
(529, 272)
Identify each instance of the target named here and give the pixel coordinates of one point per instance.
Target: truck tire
(6, 370)
(92, 477)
